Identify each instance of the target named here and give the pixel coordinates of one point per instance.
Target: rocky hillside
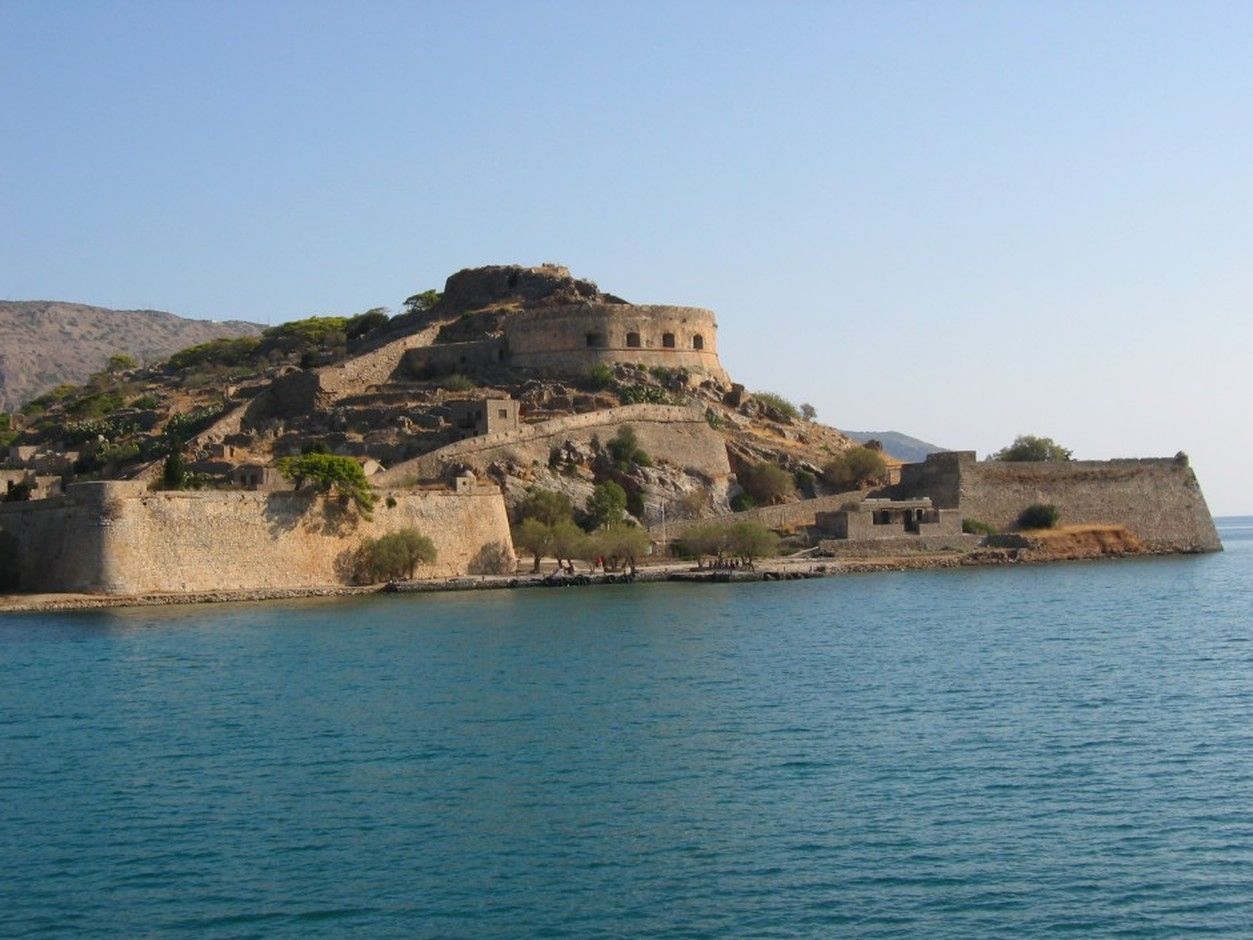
(44, 344)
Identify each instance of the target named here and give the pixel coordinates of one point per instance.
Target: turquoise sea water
(1044, 751)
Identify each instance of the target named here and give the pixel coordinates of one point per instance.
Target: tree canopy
(1029, 447)
(331, 472)
(607, 504)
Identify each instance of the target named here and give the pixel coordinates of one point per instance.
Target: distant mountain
(45, 343)
(901, 446)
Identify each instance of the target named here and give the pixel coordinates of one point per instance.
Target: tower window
(667, 340)
(595, 339)
(633, 340)
(698, 342)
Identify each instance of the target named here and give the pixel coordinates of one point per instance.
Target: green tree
(856, 467)
(548, 506)
(1029, 447)
(174, 472)
(607, 504)
(808, 411)
(751, 540)
(704, 538)
(408, 548)
(767, 483)
(120, 362)
(567, 540)
(331, 473)
(535, 538)
(620, 542)
(422, 302)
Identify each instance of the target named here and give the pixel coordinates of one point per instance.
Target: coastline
(775, 569)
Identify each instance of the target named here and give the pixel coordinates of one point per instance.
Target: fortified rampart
(1158, 500)
(119, 538)
(678, 432)
(574, 338)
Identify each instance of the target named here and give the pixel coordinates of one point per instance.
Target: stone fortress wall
(1157, 499)
(120, 538)
(575, 338)
(676, 433)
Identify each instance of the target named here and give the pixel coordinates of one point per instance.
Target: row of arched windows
(596, 340)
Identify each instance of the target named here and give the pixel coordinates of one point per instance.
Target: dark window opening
(633, 340)
(698, 342)
(461, 359)
(504, 413)
(595, 339)
(667, 340)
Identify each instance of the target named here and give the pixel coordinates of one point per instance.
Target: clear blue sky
(962, 221)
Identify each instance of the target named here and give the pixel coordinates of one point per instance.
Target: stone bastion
(575, 337)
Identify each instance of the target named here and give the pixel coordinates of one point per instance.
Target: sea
(1061, 750)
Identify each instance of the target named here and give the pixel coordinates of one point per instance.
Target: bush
(1039, 516)
(978, 527)
(365, 323)
(778, 403)
(767, 483)
(146, 402)
(643, 395)
(174, 472)
(600, 376)
(742, 501)
(619, 542)
(713, 419)
(625, 452)
(855, 468)
(457, 383)
(1029, 447)
(241, 351)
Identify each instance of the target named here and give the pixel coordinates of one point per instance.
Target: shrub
(457, 383)
(643, 395)
(241, 351)
(331, 473)
(174, 472)
(624, 450)
(146, 402)
(978, 527)
(767, 483)
(748, 540)
(751, 540)
(422, 302)
(600, 376)
(1039, 516)
(190, 423)
(742, 501)
(855, 468)
(365, 323)
(778, 403)
(713, 419)
(808, 411)
(1030, 447)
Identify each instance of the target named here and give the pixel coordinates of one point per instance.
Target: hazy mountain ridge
(901, 446)
(45, 343)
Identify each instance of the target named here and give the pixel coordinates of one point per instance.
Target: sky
(963, 221)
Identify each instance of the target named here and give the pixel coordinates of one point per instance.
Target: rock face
(46, 343)
(475, 288)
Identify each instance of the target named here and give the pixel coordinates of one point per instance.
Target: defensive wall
(794, 515)
(576, 337)
(1157, 499)
(679, 432)
(120, 538)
